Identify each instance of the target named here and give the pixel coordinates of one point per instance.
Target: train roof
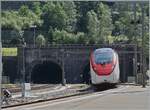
(104, 50)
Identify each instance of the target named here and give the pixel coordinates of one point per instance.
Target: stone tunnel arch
(46, 72)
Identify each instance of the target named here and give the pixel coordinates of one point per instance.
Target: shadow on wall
(86, 74)
(46, 73)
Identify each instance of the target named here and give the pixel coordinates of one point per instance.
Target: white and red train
(104, 66)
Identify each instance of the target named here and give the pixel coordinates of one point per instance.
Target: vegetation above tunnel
(77, 22)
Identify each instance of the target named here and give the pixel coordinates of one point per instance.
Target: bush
(63, 37)
(40, 40)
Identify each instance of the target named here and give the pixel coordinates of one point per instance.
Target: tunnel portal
(47, 72)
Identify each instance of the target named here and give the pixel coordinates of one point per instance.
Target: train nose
(104, 69)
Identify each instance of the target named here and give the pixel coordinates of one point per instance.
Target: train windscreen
(103, 57)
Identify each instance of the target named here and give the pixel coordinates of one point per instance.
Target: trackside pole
(0, 61)
(0, 71)
(149, 49)
(143, 56)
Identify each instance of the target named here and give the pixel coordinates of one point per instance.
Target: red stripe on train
(102, 69)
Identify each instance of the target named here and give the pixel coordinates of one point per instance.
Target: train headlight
(95, 68)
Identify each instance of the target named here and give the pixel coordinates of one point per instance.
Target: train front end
(104, 66)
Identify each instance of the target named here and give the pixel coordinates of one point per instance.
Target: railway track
(67, 93)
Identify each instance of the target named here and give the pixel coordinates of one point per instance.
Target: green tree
(94, 22)
(40, 40)
(80, 38)
(36, 8)
(60, 16)
(58, 36)
(71, 12)
(24, 11)
(10, 20)
(28, 18)
(82, 9)
(92, 25)
(21, 19)
(105, 22)
(63, 37)
(54, 16)
(125, 22)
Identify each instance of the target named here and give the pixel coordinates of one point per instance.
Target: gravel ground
(49, 92)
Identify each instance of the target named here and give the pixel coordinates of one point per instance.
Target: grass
(9, 85)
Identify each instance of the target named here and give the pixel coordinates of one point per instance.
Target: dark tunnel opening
(46, 73)
(86, 74)
(9, 70)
